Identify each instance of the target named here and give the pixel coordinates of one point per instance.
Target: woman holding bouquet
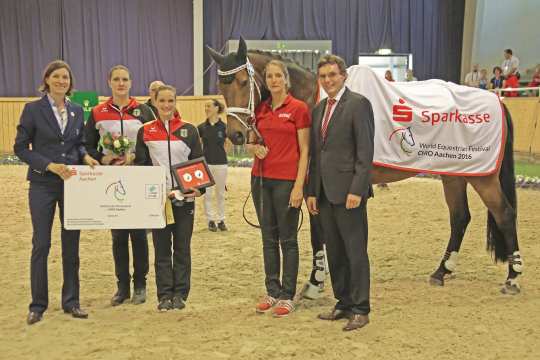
(111, 132)
(166, 142)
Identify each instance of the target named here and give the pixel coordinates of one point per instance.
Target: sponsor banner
(432, 126)
(115, 197)
(87, 99)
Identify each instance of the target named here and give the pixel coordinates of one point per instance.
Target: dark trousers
(279, 228)
(139, 248)
(173, 268)
(346, 234)
(43, 199)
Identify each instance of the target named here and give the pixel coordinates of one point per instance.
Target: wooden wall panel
(524, 113)
(535, 146)
(191, 109)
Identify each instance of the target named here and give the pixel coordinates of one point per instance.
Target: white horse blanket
(432, 126)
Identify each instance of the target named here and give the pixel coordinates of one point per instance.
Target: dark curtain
(29, 39)
(153, 38)
(432, 30)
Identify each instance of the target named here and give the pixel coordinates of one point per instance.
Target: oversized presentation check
(115, 197)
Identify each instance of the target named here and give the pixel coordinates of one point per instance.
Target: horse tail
(495, 237)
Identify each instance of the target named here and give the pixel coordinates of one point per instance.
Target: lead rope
(250, 111)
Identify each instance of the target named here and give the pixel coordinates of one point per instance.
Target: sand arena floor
(467, 319)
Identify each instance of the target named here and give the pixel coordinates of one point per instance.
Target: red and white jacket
(107, 117)
(154, 142)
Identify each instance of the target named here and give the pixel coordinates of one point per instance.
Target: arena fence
(525, 114)
(190, 107)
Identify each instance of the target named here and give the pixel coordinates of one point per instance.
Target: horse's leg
(455, 193)
(314, 287)
(489, 189)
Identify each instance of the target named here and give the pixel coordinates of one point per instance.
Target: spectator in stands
(497, 81)
(410, 76)
(510, 64)
(535, 82)
(512, 82)
(510, 71)
(483, 81)
(472, 79)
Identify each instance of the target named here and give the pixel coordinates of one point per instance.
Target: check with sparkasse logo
(115, 197)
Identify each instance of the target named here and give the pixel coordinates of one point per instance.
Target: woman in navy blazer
(49, 138)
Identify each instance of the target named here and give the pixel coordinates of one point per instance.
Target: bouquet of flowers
(118, 144)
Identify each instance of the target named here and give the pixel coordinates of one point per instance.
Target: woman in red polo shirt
(278, 175)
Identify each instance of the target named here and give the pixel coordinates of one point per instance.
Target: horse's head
(238, 85)
(407, 136)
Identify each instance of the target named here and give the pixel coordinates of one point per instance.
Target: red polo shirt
(279, 130)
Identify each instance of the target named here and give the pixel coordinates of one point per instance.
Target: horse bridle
(249, 111)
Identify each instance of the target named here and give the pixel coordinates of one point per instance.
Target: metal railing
(535, 91)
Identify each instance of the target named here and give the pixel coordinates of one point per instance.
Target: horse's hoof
(436, 281)
(312, 292)
(511, 288)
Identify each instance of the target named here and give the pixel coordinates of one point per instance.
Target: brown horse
(242, 85)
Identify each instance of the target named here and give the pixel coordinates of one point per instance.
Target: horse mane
(275, 56)
(296, 71)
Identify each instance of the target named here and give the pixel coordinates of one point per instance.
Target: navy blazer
(39, 128)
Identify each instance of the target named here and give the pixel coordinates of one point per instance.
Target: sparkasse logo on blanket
(402, 113)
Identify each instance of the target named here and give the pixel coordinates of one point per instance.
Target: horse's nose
(238, 138)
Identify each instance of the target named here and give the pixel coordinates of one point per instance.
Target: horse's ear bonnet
(229, 62)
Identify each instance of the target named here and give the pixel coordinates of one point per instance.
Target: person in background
(166, 142)
(472, 78)
(151, 95)
(510, 68)
(49, 139)
(410, 76)
(277, 185)
(121, 115)
(512, 82)
(497, 81)
(510, 64)
(535, 82)
(213, 135)
(483, 81)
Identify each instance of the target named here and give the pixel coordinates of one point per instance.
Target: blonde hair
(164, 88)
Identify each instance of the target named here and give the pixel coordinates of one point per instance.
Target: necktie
(324, 126)
(64, 119)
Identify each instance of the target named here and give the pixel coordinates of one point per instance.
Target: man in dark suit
(339, 186)
(49, 138)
